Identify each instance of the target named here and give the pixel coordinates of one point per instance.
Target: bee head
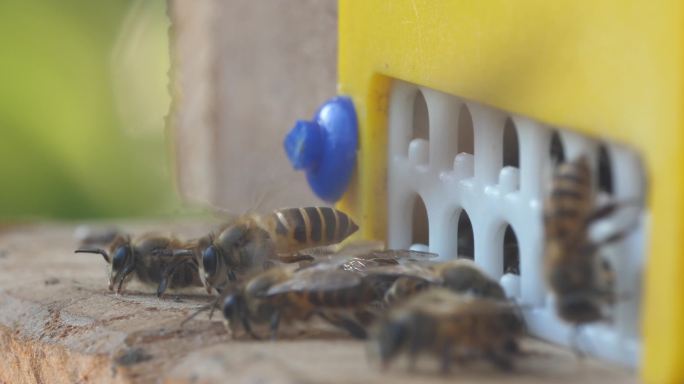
(463, 276)
(211, 256)
(121, 260)
(232, 305)
(580, 308)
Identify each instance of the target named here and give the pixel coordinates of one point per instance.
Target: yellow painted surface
(611, 69)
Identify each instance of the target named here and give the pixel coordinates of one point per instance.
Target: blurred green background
(83, 100)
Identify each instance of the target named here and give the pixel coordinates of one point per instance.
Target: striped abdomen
(347, 297)
(569, 202)
(309, 227)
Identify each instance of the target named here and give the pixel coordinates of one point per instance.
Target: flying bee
(255, 241)
(581, 280)
(450, 326)
(140, 258)
(460, 276)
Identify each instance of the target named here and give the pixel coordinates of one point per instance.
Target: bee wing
(362, 261)
(357, 248)
(349, 263)
(96, 236)
(360, 247)
(441, 301)
(316, 280)
(409, 270)
(401, 254)
(362, 266)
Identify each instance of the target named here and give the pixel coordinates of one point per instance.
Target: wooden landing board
(59, 324)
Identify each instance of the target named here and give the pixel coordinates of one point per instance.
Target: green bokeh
(64, 150)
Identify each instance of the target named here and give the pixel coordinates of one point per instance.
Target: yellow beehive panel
(611, 69)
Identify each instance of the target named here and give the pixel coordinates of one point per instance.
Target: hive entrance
(482, 175)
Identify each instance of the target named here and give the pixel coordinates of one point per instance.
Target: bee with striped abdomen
(581, 280)
(254, 241)
(283, 294)
(452, 327)
(144, 258)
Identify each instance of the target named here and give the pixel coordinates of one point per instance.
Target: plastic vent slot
(480, 170)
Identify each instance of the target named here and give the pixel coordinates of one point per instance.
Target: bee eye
(209, 260)
(229, 306)
(119, 257)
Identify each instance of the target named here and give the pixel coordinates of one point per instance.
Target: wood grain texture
(59, 324)
(243, 72)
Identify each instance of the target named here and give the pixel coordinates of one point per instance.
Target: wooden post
(243, 72)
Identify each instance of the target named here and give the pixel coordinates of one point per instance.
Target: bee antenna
(98, 251)
(197, 312)
(211, 307)
(214, 305)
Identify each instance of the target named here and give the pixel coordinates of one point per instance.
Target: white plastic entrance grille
(482, 174)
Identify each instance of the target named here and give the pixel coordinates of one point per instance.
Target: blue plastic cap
(304, 145)
(326, 147)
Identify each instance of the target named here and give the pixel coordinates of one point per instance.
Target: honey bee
(288, 295)
(580, 279)
(460, 276)
(450, 326)
(139, 257)
(256, 241)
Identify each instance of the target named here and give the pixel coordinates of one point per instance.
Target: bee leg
(413, 356)
(243, 312)
(615, 237)
(248, 327)
(163, 283)
(231, 275)
(602, 212)
(610, 208)
(354, 328)
(215, 304)
(500, 360)
(167, 275)
(512, 346)
(574, 342)
(127, 271)
(446, 358)
(365, 317)
(275, 322)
